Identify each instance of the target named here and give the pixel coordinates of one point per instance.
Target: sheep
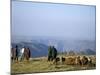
(62, 60)
(91, 61)
(78, 60)
(84, 60)
(56, 60)
(70, 60)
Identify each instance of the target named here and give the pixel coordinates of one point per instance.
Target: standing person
(49, 53)
(54, 52)
(27, 54)
(14, 54)
(22, 53)
(17, 53)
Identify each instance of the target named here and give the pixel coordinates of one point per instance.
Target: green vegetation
(37, 65)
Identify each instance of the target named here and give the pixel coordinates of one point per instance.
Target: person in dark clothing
(14, 52)
(54, 52)
(17, 53)
(50, 54)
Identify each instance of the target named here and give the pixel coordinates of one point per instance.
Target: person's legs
(27, 58)
(11, 59)
(48, 58)
(21, 57)
(17, 59)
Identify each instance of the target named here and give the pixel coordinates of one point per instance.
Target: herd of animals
(68, 60)
(76, 60)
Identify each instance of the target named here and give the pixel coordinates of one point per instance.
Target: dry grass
(37, 65)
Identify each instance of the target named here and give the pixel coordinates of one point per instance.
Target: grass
(37, 65)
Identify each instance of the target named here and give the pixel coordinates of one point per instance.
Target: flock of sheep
(76, 60)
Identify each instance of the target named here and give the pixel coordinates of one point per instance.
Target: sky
(54, 20)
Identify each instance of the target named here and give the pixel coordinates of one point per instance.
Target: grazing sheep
(84, 60)
(94, 59)
(70, 60)
(90, 60)
(62, 60)
(78, 60)
(56, 60)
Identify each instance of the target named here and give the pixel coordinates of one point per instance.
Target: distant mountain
(39, 45)
(89, 52)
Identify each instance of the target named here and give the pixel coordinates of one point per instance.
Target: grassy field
(37, 65)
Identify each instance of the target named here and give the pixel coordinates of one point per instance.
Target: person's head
(16, 46)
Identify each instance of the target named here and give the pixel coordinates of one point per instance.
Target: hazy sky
(46, 19)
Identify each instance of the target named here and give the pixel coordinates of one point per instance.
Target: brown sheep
(84, 60)
(91, 62)
(78, 61)
(70, 60)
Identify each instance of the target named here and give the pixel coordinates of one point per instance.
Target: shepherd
(14, 54)
(27, 54)
(22, 54)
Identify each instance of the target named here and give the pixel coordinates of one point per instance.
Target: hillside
(39, 45)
